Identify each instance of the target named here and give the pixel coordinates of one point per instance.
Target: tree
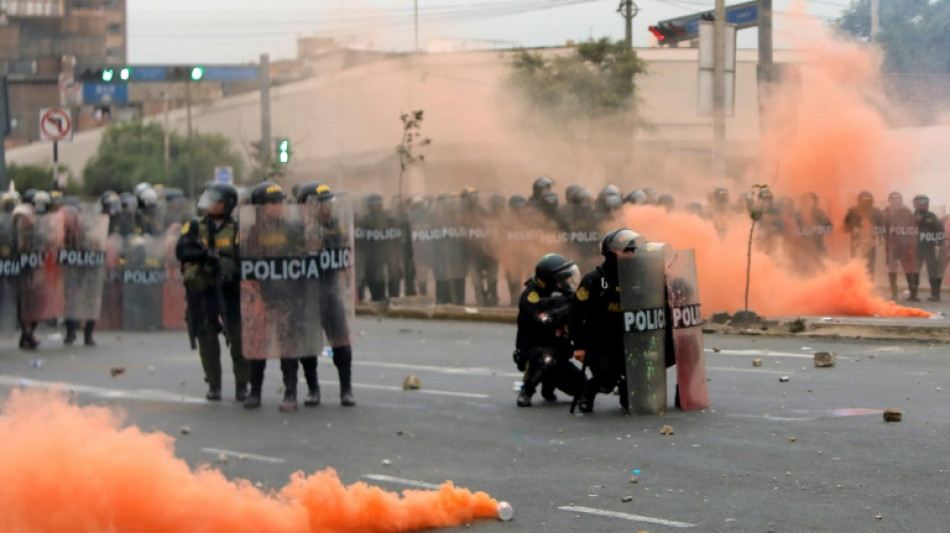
(133, 152)
(598, 80)
(913, 33)
(411, 126)
(755, 210)
(37, 177)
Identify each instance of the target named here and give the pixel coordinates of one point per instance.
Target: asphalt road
(809, 454)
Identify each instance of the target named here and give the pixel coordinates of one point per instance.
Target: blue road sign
(105, 93)
(744, 15)
(224, 175)
(242, 73)
(149, 73)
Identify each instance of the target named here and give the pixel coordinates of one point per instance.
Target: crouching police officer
(208, 252)
(596, 322)
(543, 350)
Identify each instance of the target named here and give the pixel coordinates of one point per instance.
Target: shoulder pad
(185, 228)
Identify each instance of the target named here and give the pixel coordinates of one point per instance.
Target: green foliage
(266, 166)
(133, 152)
(913, 33)
(37, 177)
(597, 80)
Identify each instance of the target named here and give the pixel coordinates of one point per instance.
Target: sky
(235, 31)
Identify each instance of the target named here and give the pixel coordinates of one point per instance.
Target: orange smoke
(776, 289)
(71, 468)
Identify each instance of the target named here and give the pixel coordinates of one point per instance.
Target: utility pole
(191, 144)
(264, 76)
(628, 9)
(875, 19)
(719, 88)
(765, 42)
(415, 18)
(165, 147)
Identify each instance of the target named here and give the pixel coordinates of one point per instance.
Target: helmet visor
(209, 198)
(569, 279)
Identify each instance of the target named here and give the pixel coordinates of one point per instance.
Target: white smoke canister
(505, 512)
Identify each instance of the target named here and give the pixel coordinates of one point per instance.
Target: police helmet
(570, 191)
(111, 205)
(665, 200)
(621, 240)
(720, 195)
(613, 202)
(10, 199)
(177, 194)
(516, 201)
(469, 192)
(651, 194)
(582, 196)
(765, 194)
(922, 202)
(224, 193)
(28, 196)
(141, 187)
(267, 192)
(128, 201)
(56, 198)
(541, 186)
(496, 203)
(637, 197)
(147, 198)
(611, 190)
(323, 193)
(895, 196)
(554, 271)
(41, 202)
(373, 198)
(550, 199)
(865, 198)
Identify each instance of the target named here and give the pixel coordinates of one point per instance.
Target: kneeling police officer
(543, 350)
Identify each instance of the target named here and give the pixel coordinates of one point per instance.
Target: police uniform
(900, 242)
(208, 251)
(930, 246)
(543, 349)
(866, 226)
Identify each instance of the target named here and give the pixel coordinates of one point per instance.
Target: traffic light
(283, 150)
(108, 75)
(125, 74)
(192, 73)
(667, 32)
(104, 74)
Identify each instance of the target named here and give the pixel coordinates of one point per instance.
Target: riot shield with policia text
(110, 316)
(332, 240)
(173, 292)
(9, 275)
(643, 302)
(143, 281)
(687, 332)
(37, 239)
(82, 261)
(278, 275)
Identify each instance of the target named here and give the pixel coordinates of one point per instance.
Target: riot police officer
(146, 216)
(930, 244)
(596, 323)
(111, 206)
(333, 237)
(866, 225)
(900, 243)
(208, 252)
(542, 348)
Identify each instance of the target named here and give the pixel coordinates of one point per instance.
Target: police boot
(214, 394)
(289, 404)
(393, 289)
(240, 392)
(253, 399)
(28, 341)
(524, 397)
(913, 280)
(935, 289)
(343, 360)
(288, 369)
(586, 402)
(892, 281)
(309, 365)
(547, 392)
(70, 332)
(87, 333)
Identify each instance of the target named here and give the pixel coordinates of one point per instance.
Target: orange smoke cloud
(776, 289)
(71, 468)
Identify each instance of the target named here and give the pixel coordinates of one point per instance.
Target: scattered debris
(411, 383)
(791, 439)
(36, 363)
(116, 371)
(222, 458)
(666, 430)
(151, 370)
(825, 359)
(635, 479)
(756, 362)
(717, 350)
(783, 379)
(626, 499)
(879, 516)
(185, 430)
(399, 432)
(892, 414)
(387, 462)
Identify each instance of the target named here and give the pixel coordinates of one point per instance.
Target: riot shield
(686, 321)
(143, 282)
(332, 224)
(82, 261)
(37, 240)
(424, 235)
(173, 291)
(643, 302)
(278, 279)
(450, 257)
(9, 275)
(110, 316)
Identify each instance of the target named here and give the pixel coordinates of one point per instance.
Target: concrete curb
(836, 328)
